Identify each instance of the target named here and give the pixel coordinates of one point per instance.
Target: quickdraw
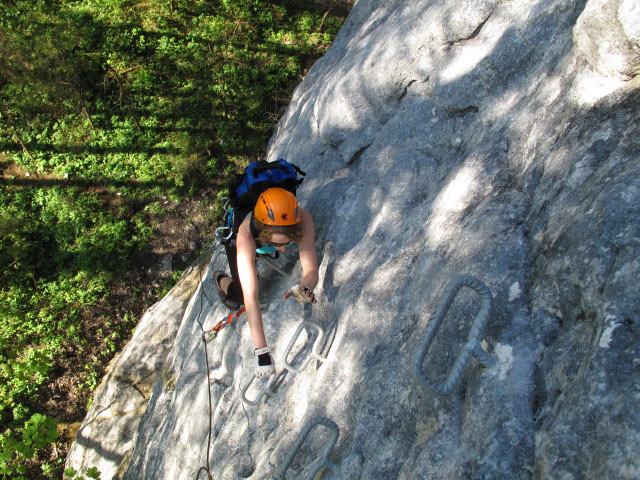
(213, 333)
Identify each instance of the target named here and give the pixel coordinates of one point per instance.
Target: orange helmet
(277, 206)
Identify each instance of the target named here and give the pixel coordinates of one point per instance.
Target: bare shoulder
(308, 239)
(306, 215)
(244, 240)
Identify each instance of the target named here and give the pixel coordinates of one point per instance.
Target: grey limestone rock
(440, 138)
(107, 434)
(608, 33)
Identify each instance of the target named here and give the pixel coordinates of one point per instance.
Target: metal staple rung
(315, 351)
(268, 390)
(275, 267)
(323, 461)
(471, 348)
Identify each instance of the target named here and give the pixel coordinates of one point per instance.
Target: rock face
(108, 432)
(608, 33)
(494, 139)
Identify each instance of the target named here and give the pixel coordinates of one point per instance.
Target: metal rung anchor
(471, 348)
(323, 461)
(315, 351)
(268, 390)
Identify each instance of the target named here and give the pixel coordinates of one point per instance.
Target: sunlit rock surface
(608, 33)
(108, 432)
(440, 138)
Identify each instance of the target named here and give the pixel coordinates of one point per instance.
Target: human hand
(264, 362)
(301, 293)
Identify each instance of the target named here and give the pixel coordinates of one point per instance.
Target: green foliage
(136, 90)
(175, 276)
(72, 474)
(16, 450)
(68, 245)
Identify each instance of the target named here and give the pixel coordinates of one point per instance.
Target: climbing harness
(471, 348)
(323, 462)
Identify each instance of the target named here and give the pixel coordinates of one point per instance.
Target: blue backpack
(246, 187)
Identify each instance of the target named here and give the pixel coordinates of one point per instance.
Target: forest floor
(181, 230)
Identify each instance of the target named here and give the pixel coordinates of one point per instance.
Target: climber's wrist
(310, 280)
(302, 294)
(311, 297)
(264, 362)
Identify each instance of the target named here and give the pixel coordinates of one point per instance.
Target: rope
(207, 469)
(213, 333)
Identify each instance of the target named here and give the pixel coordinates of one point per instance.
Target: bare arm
(308, 261)
(308, 258)
(246, 246)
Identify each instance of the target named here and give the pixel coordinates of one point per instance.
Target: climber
(276, 221)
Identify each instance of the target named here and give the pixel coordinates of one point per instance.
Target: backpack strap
(268, 166)
(304, 174)
(275, 165)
